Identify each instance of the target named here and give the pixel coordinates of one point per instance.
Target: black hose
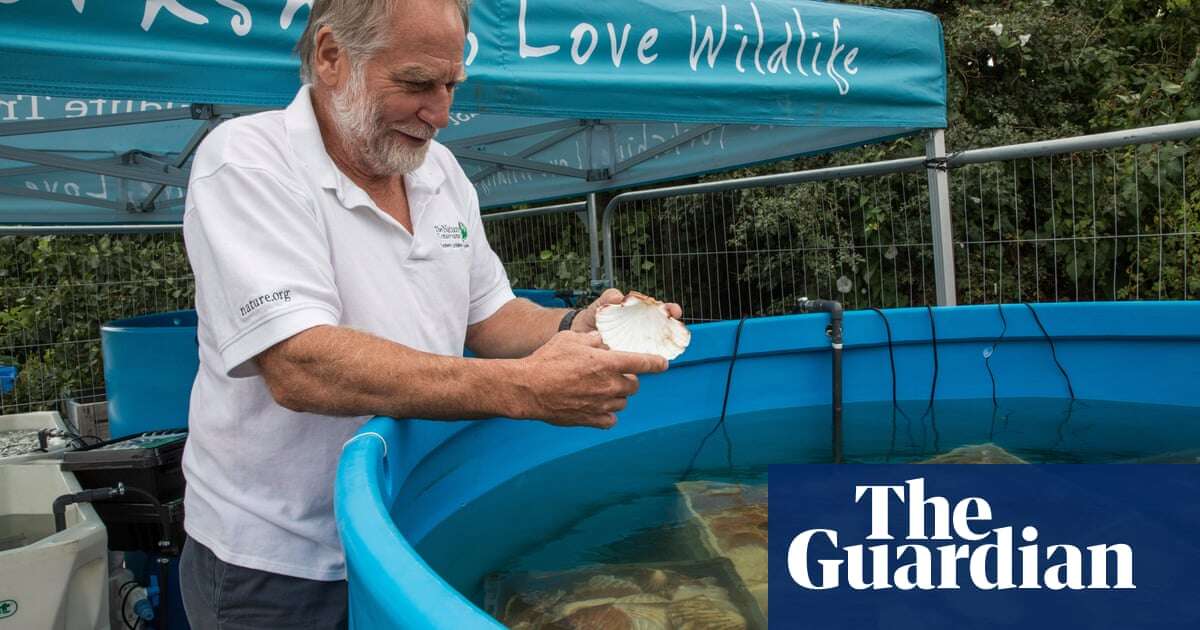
(933, 340)
(887, 328)
(995, 344)
(163, 518)
(59, 507)
(1053, 353)
(737, 341)
(125, 600)
(930, 410)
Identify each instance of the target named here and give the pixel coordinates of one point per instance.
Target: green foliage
(539, 256)
(1018, 71)
(57, 291)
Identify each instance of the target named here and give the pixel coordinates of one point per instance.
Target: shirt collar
(305, 137)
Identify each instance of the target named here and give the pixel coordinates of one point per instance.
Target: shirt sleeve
(489, 282)
(261, 262)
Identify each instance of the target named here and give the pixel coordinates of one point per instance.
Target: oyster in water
(642, 324)
(976, 454)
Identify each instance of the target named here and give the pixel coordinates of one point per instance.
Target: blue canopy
(563, 98)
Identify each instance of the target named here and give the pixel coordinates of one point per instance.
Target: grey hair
(358, 25)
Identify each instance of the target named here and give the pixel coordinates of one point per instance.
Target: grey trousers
(222, 596)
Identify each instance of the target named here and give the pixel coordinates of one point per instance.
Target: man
(341, 266)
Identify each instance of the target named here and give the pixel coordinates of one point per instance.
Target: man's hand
(574, 380)
(585, 321)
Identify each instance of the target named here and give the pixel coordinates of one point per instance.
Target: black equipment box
(139, 526)
(149, 461)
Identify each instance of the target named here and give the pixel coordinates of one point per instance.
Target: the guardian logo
(921, 564)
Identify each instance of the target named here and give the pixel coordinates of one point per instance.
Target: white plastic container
(33, 421)
(48, 580)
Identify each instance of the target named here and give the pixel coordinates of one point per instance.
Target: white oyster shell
(641, 324)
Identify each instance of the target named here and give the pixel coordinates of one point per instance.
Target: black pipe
(834, 332)
(87, 496)
(164, 595)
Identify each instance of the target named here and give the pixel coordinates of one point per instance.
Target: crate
(138, 526)
(666, 590)
(87, 413)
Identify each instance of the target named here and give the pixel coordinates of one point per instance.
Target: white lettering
(472, 48)
(103, 194)
(919, 572)
(803, 40)
(525, 49)
(761, 38)
(737, 60)
(1124, 555)
(174, 8)
(618, 51)
(798, 561)
(778, 58)
(241, 23)
(706, 41)
(963, 517)
(879, 508)
(1067, 574)
(577, 34)
(648, 39)
(289, 12)
(842, 85)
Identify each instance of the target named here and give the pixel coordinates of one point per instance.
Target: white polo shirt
(281, 241)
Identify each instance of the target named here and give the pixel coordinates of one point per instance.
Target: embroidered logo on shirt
(283, 295)
(451, 236)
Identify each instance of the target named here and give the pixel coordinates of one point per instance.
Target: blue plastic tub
(400, 480)
(542, 297)
(150, 363)
(8, 378)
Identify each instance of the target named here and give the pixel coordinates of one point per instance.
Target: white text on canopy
(755, 44)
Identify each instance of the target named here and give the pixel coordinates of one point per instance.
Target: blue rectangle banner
(952, 546)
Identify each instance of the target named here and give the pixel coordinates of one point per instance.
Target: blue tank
(400, 480)
(150, 363)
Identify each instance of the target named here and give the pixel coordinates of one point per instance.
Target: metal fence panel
(754, 251)
(56, 291)
(543, 248)
(1115, 224)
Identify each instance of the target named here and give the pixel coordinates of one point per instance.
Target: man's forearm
(514, 331)
(343, 372)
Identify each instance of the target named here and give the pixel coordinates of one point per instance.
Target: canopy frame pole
(654, 152)
(519, 163)
(147, 204)
(557, 138)
(115, 228)
(575, 207)
(937, 168)
(122, 171)
(519, 132)
(593, 213)
(195, 111)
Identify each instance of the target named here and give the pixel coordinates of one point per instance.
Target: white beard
(360, 125)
